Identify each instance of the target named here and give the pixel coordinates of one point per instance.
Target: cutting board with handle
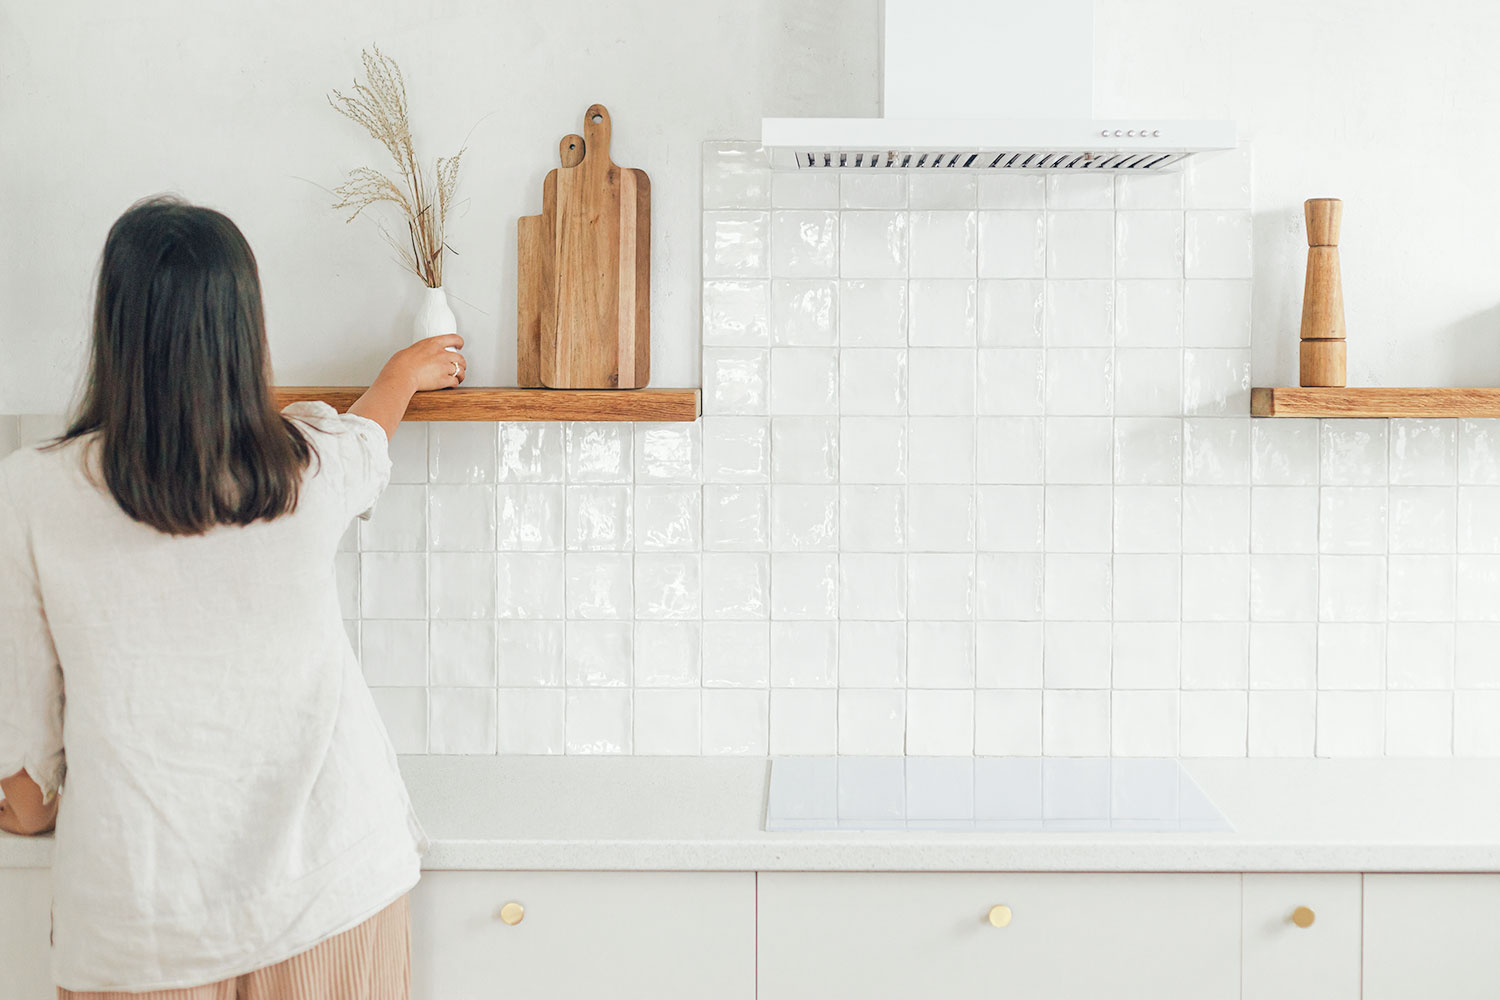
(531, 230)
(596, 308)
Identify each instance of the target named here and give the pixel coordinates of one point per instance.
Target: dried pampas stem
(378, 105)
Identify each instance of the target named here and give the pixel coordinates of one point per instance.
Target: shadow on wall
(1471, 347)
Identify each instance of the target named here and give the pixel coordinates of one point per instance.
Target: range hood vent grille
(980, 159)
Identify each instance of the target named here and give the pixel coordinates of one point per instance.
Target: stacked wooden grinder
(584, 271)
(1323, 354)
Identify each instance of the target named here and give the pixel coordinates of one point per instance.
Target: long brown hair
(178, 386)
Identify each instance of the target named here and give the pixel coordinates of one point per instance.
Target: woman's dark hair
(178, 387)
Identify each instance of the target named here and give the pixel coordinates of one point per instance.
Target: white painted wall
(103, 103)
(1388, 104)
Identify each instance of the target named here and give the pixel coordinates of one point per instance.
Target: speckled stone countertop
(707, 814)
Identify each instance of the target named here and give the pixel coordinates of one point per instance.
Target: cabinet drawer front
(1286, 961)
(867, 936)
(1432, 936)
(583, 934)
(26, 934)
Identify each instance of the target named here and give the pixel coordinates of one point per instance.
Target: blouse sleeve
(354, 449)
(31, 681)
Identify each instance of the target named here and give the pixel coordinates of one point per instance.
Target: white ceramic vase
(434, 318)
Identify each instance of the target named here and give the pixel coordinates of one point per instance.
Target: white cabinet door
(1126, 937)
(1287, 961)
(1432, 936)
(26, 933)
(606, 935)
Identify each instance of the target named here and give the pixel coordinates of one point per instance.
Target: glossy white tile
(736, 517)
(873, 244)
(530, 517)
(1000, 190)
(872, 518)
(531, 585)
(394, 653)
(804, 243)
(736, 313)
(531, 654)
(531, 453)
(736, 723)
(1148, 244)
(736, 244)
(736, 449)
(463, 584)
(1148, 313)
(462, 721)
(1079, 313)
(804, 450)
(668, 654)
(736, 585)
(1008, 654)
(668, 518)
(736, 380)
(1012, 244)
(944, 312)
(872, 190)
(598, 721)
(1011, 313)
(393, 585)
(461, 518)
(1218, 244)
(873, 313)
(666, 722)
(599, 654)
(463, 653)
(1080, 244)
(668, 453)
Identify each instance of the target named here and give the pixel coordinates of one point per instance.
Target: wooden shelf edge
(1375, 402)
(511, 404)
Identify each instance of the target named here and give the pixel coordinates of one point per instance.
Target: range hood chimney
(997, 85)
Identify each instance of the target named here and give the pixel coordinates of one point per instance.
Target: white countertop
(707, 814)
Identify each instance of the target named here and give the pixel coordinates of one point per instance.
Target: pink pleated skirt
(368, 962)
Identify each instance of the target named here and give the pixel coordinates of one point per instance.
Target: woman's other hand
(22, 810)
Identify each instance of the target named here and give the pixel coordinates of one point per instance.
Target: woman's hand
(430, 364)
(427, 364)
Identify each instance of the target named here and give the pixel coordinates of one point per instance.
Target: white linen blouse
(231, 797)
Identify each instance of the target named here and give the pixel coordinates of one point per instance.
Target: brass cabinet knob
(512, 913)
(999, 916)
(1303, 916)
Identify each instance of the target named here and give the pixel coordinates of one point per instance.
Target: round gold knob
(1303, 916)
(512, 913)
(1000, 916)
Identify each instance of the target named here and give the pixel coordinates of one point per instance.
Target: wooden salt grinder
(1323, 353)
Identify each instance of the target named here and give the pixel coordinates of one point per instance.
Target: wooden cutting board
(531, 230)
(596, 309)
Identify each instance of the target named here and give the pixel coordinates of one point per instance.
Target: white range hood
(997, 85)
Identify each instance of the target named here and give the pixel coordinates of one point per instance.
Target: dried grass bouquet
(379, 105)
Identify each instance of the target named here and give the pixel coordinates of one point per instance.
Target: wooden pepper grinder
(1323, 353)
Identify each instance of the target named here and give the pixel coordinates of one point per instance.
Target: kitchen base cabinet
(1301, 937)
(25, 934)
(572, 935)
(871, 936)
(1432, 936)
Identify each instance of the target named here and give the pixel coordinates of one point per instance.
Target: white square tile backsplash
(974, 476)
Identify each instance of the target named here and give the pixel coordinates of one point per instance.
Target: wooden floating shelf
(1295, 401)
(519, 404)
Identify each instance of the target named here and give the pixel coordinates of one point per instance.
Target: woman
(233, 823)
